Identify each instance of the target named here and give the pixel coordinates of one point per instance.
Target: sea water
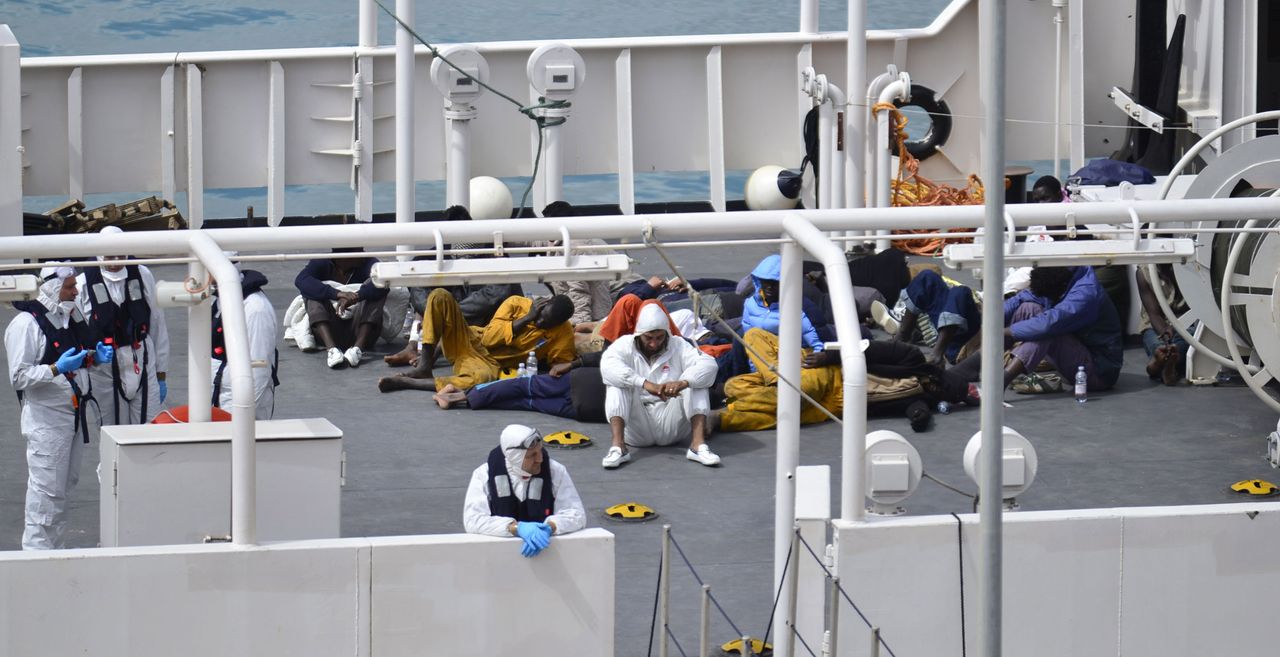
(99, 27)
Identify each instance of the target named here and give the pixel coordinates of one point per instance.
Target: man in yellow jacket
(480, 353)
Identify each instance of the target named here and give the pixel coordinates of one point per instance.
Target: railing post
(706, 620)
(10, 134)
(405, 181)
(664, 590)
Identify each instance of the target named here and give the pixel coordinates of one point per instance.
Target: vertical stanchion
(747, 649)
(875, 642)
(664, 590)
(199, 350)
(793, 586)
(706, 619)
(833, 611)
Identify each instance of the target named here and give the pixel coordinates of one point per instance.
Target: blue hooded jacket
(755, 314)
(1084, 311)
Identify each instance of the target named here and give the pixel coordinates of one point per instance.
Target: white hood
(652, 318)
(515, 441)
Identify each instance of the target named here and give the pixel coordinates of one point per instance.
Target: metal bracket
(568, 253)
(1071, 225)
(499, 249)
(1136, 111)
(439, 244)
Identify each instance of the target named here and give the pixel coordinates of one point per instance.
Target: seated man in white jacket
(656, 391)
(518, 492)
(264, 329)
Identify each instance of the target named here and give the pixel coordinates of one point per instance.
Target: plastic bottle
(531, 364)
(944, 408)
(1082, 386)
(520, 372)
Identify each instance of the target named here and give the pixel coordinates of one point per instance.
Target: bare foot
(1155, 368)
(404, 382)
(453, 399)
(403, 358)
(1170, 374)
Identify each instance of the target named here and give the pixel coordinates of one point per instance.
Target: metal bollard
(706, 619)
(875, 642)
(833, 607)
(746, 646)
(664, 589)
(793, 592)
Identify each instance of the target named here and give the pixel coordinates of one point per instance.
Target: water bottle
(944, 408)
(520, 372)
(531, 364)
(1082, 386)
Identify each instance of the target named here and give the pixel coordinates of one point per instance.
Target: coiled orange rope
(912, 189)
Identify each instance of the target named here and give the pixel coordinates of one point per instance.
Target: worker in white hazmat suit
(657, 391)
(119, 302)
(264, 329)
(48, 346)
(520, 492)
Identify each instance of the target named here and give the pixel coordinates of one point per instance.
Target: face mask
(66, 306)
(115, 276)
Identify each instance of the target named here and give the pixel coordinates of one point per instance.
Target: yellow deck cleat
(1255, 487)
(630, 512)
(567, 440)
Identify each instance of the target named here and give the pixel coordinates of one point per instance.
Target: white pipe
(235, 332)
(368, 24)
(808, 20)
(897, 90)
(199, 349)
(405, 181)
(853, 363)
(991, 58)
(790, 294)
(855, 117)
(553, 167)
(869, 120)
(458, 173)
(838, 180)
(825, 146)
(668, 227)
(1057, 88)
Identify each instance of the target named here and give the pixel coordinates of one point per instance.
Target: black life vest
(57, 340)
(121, 324)
(539, 502)
(126, 323)
(251, 281)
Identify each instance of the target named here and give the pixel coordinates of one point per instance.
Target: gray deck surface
(408, 464)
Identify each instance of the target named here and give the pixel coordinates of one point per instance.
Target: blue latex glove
(70, 360)
(164, 390)
(536, 537)
(103, 353)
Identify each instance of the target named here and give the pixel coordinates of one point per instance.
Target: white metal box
(171, 483)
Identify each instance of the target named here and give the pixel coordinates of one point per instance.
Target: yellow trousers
(443, 324)
(753, 397)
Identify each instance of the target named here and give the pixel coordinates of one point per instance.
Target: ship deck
(408, 464)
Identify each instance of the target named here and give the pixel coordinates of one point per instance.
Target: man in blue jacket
(761, 308)
(1064, 316)
(346, 319)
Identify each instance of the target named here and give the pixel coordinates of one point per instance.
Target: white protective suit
(54, 449)
(648, 419)
(156, 346)
(569, 515)
(264, 328)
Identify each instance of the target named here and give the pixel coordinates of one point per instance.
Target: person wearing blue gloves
(119, 302)
(519, 492)
(49, 345)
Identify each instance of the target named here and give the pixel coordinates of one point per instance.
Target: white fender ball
(490, 198)
(772, 187)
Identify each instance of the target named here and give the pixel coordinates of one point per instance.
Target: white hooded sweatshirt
(516, 439)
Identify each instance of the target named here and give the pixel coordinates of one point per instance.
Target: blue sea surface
(96, 27)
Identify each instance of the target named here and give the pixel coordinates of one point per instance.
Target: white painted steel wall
(1158, 581)
(413, 595)
(650, 93)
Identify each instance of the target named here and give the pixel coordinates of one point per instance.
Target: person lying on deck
(479, 354)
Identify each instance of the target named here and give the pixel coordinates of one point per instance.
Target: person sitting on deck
(953, 313)
(520, 492)
(479, 354)
(656, 391)
(1165, 347)
(1066, 318)
(344, 307)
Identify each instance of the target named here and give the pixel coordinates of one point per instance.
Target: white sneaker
(884, 317)
(704, 455)
(306, 342)
(353, 356)
(335, 358)
(615, 458)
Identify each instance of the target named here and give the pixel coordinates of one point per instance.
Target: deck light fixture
(894, 469)
(541, 269)
(1069, 254)
(1020, 465)
(19, 287)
